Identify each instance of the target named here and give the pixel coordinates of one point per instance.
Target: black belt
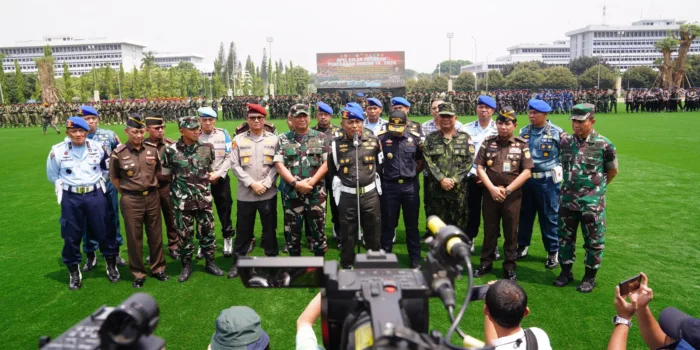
(139, 193)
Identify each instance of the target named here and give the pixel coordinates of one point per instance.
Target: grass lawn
(652, 227)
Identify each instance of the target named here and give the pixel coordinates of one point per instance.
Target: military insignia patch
(471, 149)
(345, 170)
(489, 163)
(246, 159)
(130, 173)
(546, 154)
(514, 163)
(370, 167)
(390, 155)
(527, 153)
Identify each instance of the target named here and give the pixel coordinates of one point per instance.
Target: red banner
(358, 70)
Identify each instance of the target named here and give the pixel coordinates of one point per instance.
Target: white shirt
(306, 339)
(378, 127)
(509, 342)
(478, 135)
(221, 140)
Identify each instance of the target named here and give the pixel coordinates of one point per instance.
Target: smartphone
(479, 292)
(630, 285)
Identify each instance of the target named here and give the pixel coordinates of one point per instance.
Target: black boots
(565, 277)
(90, 262)
(76, 278)
(112, 272)
(588, 282)
(211, 266)
(186, 269)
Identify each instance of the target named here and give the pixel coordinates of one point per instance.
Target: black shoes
(588, 283)
(121, 262)
(233, 272)
(76, 279)
(482, 271)
(415, 264)
(552, 260)
(186, 269)
(90, 262)
(112, 271)
(138, 283)
(510, 275)
(252, 245)
(211, 267)
(522, 252)
(565, 277)
(161, 276)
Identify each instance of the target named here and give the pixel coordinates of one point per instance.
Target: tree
(67, 84)
(410, 73)
(300, 79)
(464, 82)
(638, 77)
(122, 76)
(451, 66)
(693, 69)
(524, 78)
(673, 70)
(136, 90)
(531, 65)
(148, 60)
(559, 78)
(439, 84)
(19, 84)
(3, 82)
(106, 83)
(263, 69)
(231, 60)
(581, 64)
(507, 69)
(589, 78)
(220, 61)
(422, 84)
(495, 81)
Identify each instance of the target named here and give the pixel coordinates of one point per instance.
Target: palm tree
(147, 62)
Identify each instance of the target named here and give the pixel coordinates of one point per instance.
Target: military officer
(590, 164)
(323, 118)
(47, 118)
(133, 170)
(252, 162)
(109, 139)
(77, 167)
(220, 182)
(374, 122)
(356, 156)
(541, 191)
(189, 162)
(301, 161)
(403, 160)
(449, 155)
(503, 165)
(401, 104)
(155, 125)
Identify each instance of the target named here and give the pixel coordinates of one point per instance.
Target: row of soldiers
(662, 100)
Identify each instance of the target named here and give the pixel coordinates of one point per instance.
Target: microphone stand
(356, 144)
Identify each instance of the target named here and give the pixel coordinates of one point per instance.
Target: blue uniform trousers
(396, 195)
(86, 215)
(90, 245)
(541, 198)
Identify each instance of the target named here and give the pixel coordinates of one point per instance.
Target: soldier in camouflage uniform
(449, 155)
(589, 162)
(47, 118)
(301, 160)
(323, 116)
(189, 162)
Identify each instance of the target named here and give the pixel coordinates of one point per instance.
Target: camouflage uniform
(190, 193)
(304, 155)
(585, 163)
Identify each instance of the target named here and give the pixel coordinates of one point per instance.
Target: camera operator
(306, 338)
(675, 329)
(505, 307)
(239, 328)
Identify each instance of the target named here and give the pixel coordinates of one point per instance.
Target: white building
(556, 53)
(81, 55)
(625, 46)
(167, 60)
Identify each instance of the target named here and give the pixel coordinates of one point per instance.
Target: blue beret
(87, 110)
(323, 107)
(354, 105)
(359, 94)
(486, 100)
(539, 105)
(375, 102)
(400, 101)
(77, 122)
(207, 112)
(353, 113)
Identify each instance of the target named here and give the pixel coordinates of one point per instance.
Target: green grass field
(652, 227)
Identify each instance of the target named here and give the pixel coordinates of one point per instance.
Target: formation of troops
(367, 169)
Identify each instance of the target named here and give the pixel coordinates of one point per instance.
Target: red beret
(253, 108)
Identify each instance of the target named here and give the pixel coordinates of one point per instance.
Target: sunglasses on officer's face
(256, 118)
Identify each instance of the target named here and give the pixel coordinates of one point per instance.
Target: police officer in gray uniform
(541, 191)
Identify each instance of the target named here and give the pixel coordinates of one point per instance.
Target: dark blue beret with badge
(77, 122)
(374, 102)
(352, 113)
(323, 107)
(87, 110)
(539, 106)
(400, 101)
(486, 100)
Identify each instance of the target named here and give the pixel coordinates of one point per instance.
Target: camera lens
(136, 316)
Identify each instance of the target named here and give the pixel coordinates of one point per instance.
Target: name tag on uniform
(515, 150)
(506, 167)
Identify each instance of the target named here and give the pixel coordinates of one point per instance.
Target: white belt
(80, 189)
(363, 190)
(541, 175)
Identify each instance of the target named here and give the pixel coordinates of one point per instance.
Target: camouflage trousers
(185, 225)
(453, 211)
(593, 230)
(312, 211)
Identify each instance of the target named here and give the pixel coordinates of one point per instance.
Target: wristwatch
(508, 192)
(619, 320)
(293, 183)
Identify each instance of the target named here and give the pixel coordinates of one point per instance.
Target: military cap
(583, 111)
(400, 101)
(397, 121)
(323, 107)
(87, 110)
(77, 122)
(486, 100)
(135, 121)
(354, 105)
(299, 109)
(153, 118)
(680, 326)
(446, 108)
(359, 94)
(539, 106)
(256, 108)
(507, 114)
(352, 113)
(207, 112)
(189, 122)
(374, 102)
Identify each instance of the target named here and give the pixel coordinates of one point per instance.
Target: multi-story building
(625, 46)
(81, 55)
(556, 53)
(167, 60)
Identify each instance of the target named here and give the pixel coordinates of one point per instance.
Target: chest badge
(345, 170)
(130, 173)
(489, 162)
(390, 155)
(148, 153)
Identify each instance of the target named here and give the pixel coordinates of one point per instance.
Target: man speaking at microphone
(356, 156)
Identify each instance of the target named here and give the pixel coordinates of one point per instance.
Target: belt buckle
(400, 181)
(145, 193)
(361, 190)
(81, 190)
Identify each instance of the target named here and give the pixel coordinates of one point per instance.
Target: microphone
(355, 140)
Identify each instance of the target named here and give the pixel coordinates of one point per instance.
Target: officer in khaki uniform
(503, 165)
(155, 125)
(133, 169)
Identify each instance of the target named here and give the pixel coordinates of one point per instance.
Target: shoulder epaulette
(382, 132)
(121, 148)
(147, 143)
(521, 139)
(414, 133)
(169, 140)
(493, 137)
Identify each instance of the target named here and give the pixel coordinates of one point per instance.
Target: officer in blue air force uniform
(541, 191)
(77, 168)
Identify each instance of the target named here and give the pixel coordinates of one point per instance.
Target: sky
(303, 28)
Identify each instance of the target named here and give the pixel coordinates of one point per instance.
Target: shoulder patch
(414, 133)
(122, 147)
(382, 132)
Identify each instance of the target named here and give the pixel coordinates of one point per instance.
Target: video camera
(128, 326)
(377, 304)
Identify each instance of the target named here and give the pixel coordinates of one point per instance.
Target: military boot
(588, 282)
(76, 278)
(112, 271)
(211, 266)
(233, 272)
(565, 277)
(186, 269)
(90, 262)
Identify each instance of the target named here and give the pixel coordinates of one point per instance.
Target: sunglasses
(157, 127)
(256, 118)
